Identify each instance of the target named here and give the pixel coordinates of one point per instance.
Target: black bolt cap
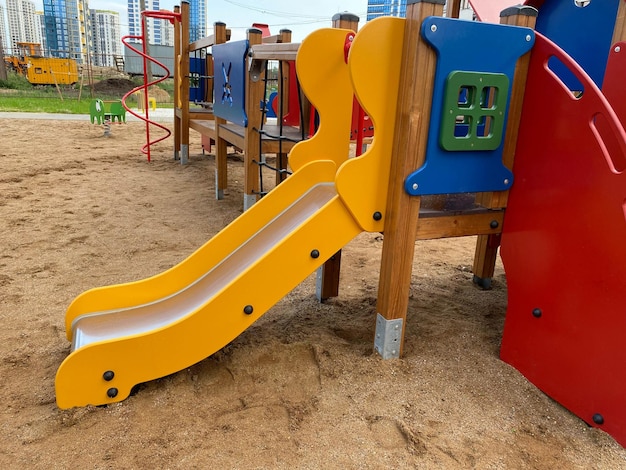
(112, 392)
(494, 224)
(598, 418)
(248, 309)
(108, 375)
(377, 216)
(537, 312)
(315, 254)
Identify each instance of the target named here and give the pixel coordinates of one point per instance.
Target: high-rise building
(376, 8)
(106, 34)
(3, 31)
(197, 19)
(154, 25)
(67, 29)
(161, 32)
(23, 23)
(167, 34)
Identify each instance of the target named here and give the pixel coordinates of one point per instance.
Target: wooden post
(327, 284)
(221, 146)
(487, 245)
(454, 9)
(619, 31)
(177, 78)
(252, 151)
(346, 20)
(281, 158)
(402, 212)
(184, 82)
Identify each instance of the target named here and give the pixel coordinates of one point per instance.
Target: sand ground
(301, 388)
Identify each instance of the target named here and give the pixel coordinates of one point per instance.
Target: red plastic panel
(564, 248)
(614, 79)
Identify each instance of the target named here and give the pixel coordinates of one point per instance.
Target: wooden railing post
(284, 37)
(619, 30)
(453, 9)
(221, 146)
(402, 212)
(252, 152)
(177, 58)
(487, 245)
(184, 82)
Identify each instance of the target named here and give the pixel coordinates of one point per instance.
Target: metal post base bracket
(248, 201)
(388, 337)
(219, 193)
(184, 154)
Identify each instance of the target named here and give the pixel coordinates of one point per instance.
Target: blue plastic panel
(584, 33)
(229, 84)
(197, 85)
(473, 47)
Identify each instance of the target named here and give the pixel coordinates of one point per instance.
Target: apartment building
(106, 33)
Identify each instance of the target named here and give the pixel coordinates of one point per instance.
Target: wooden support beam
(460, 225)
(221, 146)
(177, 111)
(278, 51)
(619, 30)
(453, 9)
(402, 212)
(184, 82)
(203, 43)
(255, 91)
(487, 245)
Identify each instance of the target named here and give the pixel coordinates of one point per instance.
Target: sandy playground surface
(301, 388)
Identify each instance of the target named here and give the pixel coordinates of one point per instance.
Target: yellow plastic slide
(131, 333)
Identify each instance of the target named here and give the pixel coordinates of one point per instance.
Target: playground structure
(229, 80)
(514, 119)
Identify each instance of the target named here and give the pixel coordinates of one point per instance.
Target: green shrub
(15, 81)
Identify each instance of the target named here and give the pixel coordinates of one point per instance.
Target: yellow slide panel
(325, 79)
(374, 64)
(116, 348)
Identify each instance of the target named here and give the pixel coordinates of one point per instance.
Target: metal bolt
(528, 37)
(248, 309)
(433, 28)
(506, 181)
(598, 418)
(494, 224)
(377, 216)
(617, 49)
(112, 392)
(537, 312)
(108, 375)
(315, 254)
(415, 186)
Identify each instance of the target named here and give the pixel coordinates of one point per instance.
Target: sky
(301, 17)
